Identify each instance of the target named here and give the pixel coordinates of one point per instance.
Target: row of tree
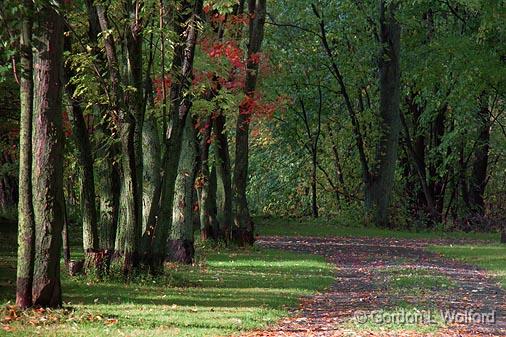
(121, 78)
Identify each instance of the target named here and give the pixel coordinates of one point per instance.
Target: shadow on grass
(231, 291)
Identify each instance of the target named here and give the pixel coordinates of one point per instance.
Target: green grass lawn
(490, 257)
(327, 228)
(228, 292)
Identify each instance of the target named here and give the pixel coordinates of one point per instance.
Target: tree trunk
(48, 160)
(87, 181)
(478, 180)
(181, 247)
(151, 174)
(379, 187)
(109, 186)
(203, 183)
(314, 181)
(125, 107)
(436, 183)
(243, 232)
(26, 224)
(213, 206)
(65, 236)
(186, 27)
(135, 102)
(223, 178)
(129, 248)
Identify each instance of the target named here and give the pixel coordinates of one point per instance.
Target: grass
(416, 280)
(490, 257)
(229, 291)
(328, 228)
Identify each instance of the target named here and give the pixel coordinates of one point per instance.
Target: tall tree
(48, 158)
(125, 109)
(186, 23)
(381, 178)
(26, 224)
(478, 179)
(223, 178)
(181, 247)
(85, 157)
(243, 232)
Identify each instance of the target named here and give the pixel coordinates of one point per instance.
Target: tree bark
(181, 247)
(379, 187)
(223, 179)
(203, 183)
(314, 182)
(48, 160)
(243, 232)
(26, 224)
(186, 27)
(151, 172)
(109, 186)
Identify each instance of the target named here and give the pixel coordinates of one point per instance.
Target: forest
(252, 167)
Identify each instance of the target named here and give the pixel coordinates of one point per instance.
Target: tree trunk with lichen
(202, 184)
(181, 247)
(48, 159)
(26, 224)
(223, 191)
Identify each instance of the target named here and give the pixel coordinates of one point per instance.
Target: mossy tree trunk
(181, 247)
(203, 183)
(223, 173)
(26, 224)
(109, 185)
(48, 159)
(151, 174)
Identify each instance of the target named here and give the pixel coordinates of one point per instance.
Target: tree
(85, 157)
(243, 232)
(48, 158)
(180, 243)
(381, 177)
(26, 223)
(186, 27)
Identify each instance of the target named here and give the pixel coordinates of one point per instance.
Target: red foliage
(228, 49)
(158, 84)
(236, 20)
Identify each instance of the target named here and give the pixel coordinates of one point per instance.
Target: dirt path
(361, 286)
